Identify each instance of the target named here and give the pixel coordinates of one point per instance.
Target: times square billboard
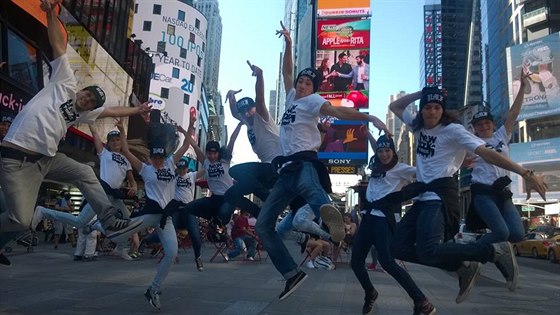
(342, 57)
(175, 35)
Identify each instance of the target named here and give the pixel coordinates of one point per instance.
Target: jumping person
(159, 183)
(299, 169)
(490, 195)
(378, 225)
(433, 219)
(29, 150)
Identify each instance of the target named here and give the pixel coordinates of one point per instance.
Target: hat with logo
(98, 93)
(314, 75)
(183, 162)
(157, 151)
(6, 118)
(213, 146)
(432, 94)
(113, 134)
(244, 104)
(384, 142)
(481, 115)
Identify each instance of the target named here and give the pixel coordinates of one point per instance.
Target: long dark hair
(447, 117)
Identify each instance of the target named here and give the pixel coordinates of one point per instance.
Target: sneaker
(333, 220)
(369, 300)
(78, 258)
(199, 265)
(468, 273)
(309, 264)
(249, 258)
(88, 258)
(153, 297)
(226, 257)
(303, 245)
(292, 284)
(424, 308)
(114, 224)
(4, 261)
(134, 255)
(505, 261)
(37, 217)
(122, 253)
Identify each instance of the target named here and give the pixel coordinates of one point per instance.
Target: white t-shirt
(264, 139)
(42, 123)
(113, 168)
(440, 151)
(391, 181)
(184, 191)
(159, 183)
(217, 175)
(298, 128)
(485, 173)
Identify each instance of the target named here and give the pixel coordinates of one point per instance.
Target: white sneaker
(37, 217)
(122, 253)
(309, 264)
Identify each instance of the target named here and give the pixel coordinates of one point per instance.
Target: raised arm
(230, 97)
(533, 182)
(186, 142)
(233, 137)
(347, 113)
(96, 138)
(55, 29)
(200, 157)
(134, 161)
(119, 111)
(259, 92)
(516, 106)
(287, 64)
(398, 106)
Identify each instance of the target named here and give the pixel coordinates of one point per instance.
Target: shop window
(164, 93)
(175, 73)
(147, 26)
(157, 9)
(186, 99)
(181, 15)
(22, 61)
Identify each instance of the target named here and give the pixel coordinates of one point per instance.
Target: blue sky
(248, 34)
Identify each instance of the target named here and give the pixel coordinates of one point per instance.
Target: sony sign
(340, 161)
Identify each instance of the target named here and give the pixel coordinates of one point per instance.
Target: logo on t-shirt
(290, 115)
(499, 147)
(215, 170)
(67, 111)
(119, 159)
(251, 136)
(426, 145)
(164, 175)
(183, 182)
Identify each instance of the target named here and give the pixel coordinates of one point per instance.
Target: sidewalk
(49, 282)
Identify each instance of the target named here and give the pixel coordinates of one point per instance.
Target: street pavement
(47, 281)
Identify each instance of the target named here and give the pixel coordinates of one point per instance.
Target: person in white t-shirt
(300, 171)
(29, 150)
(388, 175)
(159, 184)
(490, 194)
(423, 232)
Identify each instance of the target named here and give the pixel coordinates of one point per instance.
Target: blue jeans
(301, 221)
(420, 239)
(375, 231)
(190, 223)
(304, 183)
(241, 243)
(505, 223)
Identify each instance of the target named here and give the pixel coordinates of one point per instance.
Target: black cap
(432, 94)
(385, 142)
(314, 75)
(98, 93)
(157, 151)
(113, 134)
(213, 146)
(244, 104)
(6, 118)
(481, 115)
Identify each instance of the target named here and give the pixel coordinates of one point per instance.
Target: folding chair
(217, 235)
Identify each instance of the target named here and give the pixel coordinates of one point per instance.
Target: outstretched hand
(256, 70)
(49, 5)
(536, 182)
(144, 108)
(231, 93)
(119, 123)
(284, 32)
(377, 123)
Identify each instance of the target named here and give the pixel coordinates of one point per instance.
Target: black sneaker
(199, 265)
(114, 224)
(153, 297)
(369, 300)
(4, 261)
(467, 278)
(505, 261)
(424, 308)
(78, 258)
(303, 245)
(292, 284)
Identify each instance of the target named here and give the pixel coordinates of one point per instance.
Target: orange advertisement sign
(32, 7)
(327, 8)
